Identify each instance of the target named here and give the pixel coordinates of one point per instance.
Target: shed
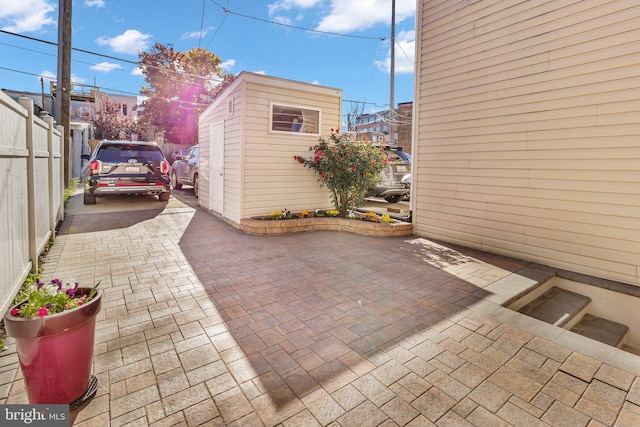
(248, 138)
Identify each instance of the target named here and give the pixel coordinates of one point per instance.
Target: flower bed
(288, 223)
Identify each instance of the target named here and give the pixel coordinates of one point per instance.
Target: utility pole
(63, 82)
(392, 73)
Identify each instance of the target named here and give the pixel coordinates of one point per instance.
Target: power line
(217, 29)
(137, 64)
(102, 89)
(363, 102)
(73, 48)
(48, 77)
(405, 53)
(204, 2)
(231, 12)
(74, 60)
(25, 73)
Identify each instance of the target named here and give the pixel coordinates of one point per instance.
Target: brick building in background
(376, 126)
(404, 126)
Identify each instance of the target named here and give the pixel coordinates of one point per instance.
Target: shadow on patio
(322, 310)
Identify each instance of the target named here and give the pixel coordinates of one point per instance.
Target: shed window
(295, 119)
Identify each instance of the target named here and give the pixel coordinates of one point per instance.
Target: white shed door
(216, 197)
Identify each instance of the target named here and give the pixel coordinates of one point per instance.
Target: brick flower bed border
(299, 225)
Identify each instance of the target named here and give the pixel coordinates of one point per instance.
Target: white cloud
(227, 65)
(94, 3)
(131, 41)
(20, 16)
(51, 76)
(137, 71)
(77, 80)
(196, 34)
(344, 16)
(404, 53)
(351, 15)
(292, 4)
(264, 73)
(283, 20)
(106, 67)
(47, 75)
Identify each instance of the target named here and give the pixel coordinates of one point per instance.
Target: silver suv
(125, 167)
(184, 170)
(390, 186)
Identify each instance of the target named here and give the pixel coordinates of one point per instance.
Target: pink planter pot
(56, 351)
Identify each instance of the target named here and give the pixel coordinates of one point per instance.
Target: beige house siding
(219, 113)
(268, 157)
(527, 136)
(261, 175)
(233, 166)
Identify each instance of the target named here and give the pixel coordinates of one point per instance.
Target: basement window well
(605, 314)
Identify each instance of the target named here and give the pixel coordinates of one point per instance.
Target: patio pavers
(204, 325)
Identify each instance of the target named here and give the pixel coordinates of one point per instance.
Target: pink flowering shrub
(348, 167)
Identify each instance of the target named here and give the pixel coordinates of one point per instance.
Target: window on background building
(286, 118)
(124, 110)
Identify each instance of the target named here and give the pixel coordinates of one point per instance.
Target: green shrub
(348, 167)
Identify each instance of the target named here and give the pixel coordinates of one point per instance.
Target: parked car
(172, 157)
(390, 186)
(406, 181)
(125, 167)
(184, 170)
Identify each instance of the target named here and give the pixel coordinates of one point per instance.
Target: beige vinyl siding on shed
(527, 137)
(233, 135)
(260, 174)
(273, 181)
(218, 113)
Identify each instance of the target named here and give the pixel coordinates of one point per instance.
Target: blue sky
(337, 43)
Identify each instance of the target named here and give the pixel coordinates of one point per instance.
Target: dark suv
(390, 186)
(125, 167)
(184, 170)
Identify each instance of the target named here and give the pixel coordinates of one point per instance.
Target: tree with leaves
(107, 119)
(180, 85)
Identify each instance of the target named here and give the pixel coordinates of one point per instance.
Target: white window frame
(306, 132)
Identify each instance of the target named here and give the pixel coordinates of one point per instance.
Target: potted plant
(53, 326)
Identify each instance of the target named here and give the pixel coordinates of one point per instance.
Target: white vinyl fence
(31, 191)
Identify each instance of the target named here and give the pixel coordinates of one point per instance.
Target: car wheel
(393, 199)
(195, 185)
(174, 181)
(89, 199)
(164, 197)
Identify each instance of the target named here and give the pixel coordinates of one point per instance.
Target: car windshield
(122, 153)
(398, 156)
(193, 153)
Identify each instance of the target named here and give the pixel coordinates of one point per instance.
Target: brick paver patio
(202, 324)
